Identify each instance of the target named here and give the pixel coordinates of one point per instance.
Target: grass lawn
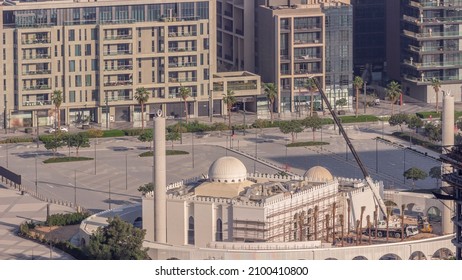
(65, 159)
(167, 152)
(306, 144)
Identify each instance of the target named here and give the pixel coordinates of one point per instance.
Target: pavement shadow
(115, 201)
(119, 148)
(37, 153)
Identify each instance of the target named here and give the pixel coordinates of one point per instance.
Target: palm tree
(402, 221)
(229, 99)
(393, 93)
(342, 223)
(368, 219)
(388, 220)
(315, 220)
(142, 96)
(57, 99)
(349, 215)
(185, 92)
(436, 85)
(358, 84)
(271, 92)
(311, 86)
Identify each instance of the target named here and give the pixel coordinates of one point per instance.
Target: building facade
(430, 47)
(97, 53)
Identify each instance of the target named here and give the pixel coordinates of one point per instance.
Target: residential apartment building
(431, 48)
(99, 52)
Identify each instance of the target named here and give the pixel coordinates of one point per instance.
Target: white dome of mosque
(227, 170)
(318, 174)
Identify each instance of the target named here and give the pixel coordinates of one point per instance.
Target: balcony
(182, 80)
(118, 37)
(428, 80)
(37, 87)
(120, 98)
(37, 72)
(192, 49)
(37, 103)
(433, 35)
(120, 68)
(307, 58)
(435, 64)
(285, 72)
(187, 64)
(182, 34)
(37, 56)
(433, 49)
(118, 83)
(36, 41)
(305, 71)
(302, 42)
(434, 4)
(285, 58)
(303, 28)
(118, 52)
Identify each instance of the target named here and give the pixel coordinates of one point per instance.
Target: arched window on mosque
(191, 231)
(219, 231)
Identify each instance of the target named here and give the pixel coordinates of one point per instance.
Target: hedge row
(306, 144)
(167, 152)
(17, 140)
(66, 159)
(66, 219)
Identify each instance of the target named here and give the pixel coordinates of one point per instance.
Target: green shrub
(195, 126)
(113, 133)
(360, 118)
(133, 131)
(426, 115)
(72, 250)
(66, 219)
(305, 144)
(17, 140)
(66, 159)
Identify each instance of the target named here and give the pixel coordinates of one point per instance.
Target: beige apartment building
(99, 52)
(285, 42)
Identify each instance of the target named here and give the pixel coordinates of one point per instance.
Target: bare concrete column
(447, 140)
(159, 179)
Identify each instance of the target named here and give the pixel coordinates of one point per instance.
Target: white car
(63, 129)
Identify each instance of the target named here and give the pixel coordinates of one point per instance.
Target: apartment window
(78, 50)
(4, 38)
(88, 49)
(139, 46)
(139, 63)
(80, 65)
(94, 65)
(4, 69)
(86, 66)
(202, 59)
(4, 54)
(153, 46)
(187, 10)
(139, 78)
(72, 66)
(94, 95)
(105, 14)
(56, 81)
(56, 50)
(191, 231)
(206, 74)
(121, 13)
(138, 13)
(71, 35)
(59, 65)
(219, 231)
(4, 84)
(153, 62)
(202, 9)
(153, 32)
(94, 34)
(78, 80)
(85, 34)
(139, 32)
(80, 35)
(72, 96)
(206, 44)
(88, 80)
(154, 12)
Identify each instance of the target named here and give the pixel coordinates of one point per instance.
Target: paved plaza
(114, 178)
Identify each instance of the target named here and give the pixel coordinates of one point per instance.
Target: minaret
(447, 140)
(159, 179)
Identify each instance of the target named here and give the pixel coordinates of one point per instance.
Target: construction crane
(367, 177)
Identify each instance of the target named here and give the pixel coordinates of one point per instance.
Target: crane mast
(367, 177)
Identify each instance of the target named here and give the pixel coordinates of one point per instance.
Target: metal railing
(119, 83)
(38, 87)
(120, 68)
(119, 52)
(36, 41)
(37, 103)
(118, 37)
(38, 56)
(181, 34)
(37, 72)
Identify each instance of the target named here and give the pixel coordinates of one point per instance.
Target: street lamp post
(75, 188)
(192, 151)
(256, 152)
(244, 99)
(109, 194)
(107, 112)
(211, 105)
(365, 99)
(404, 165)
(36, 173)
(95, 154)
(287, 163)
(126, 172)
(376, 155)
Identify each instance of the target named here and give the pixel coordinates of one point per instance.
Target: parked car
(63, 129)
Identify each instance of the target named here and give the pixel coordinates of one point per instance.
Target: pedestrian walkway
(14, 210)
